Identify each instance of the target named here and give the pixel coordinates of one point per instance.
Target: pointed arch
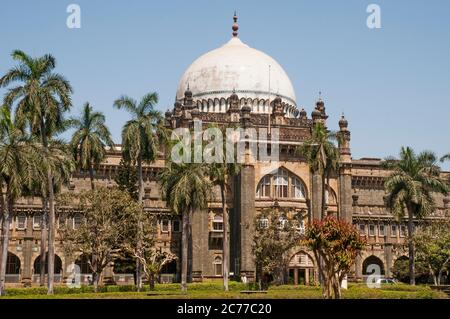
(281, 183)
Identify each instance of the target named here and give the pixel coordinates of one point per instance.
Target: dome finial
(235, 27)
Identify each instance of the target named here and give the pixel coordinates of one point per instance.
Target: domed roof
(236, 67)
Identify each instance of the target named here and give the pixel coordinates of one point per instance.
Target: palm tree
(141, 138)
(41, 98)
(20, 163)
(221, 175)
(410, 186)
(186, 189)
(322, 156)
(446, 157)
(89, 140)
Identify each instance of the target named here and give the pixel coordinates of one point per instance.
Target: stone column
(247, 215)
(199, 233)
(345, 194)
(307, 276)
(296, 276)
(316, 196)
(358, 267)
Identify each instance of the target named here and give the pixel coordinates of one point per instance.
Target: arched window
(298, 190)
(37, 265)
(164, 225)
(264, 187)
(330, 197)
(281, 183)
(21, 220)
(12, 264)
(218, 266)
(83, 263)
(37, 220)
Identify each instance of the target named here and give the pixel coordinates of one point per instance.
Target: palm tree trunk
(412, 275)
(139, 244)
(43, 253)
(51, 235)
(184, 251)
(7, 216)
(51, 215)
(2, 221)
(226, 246)
(91, 176)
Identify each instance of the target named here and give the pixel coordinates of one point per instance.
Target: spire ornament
(235, 27)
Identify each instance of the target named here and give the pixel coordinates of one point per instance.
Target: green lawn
(212, 290)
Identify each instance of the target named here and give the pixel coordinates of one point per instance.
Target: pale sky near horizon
(392, 83)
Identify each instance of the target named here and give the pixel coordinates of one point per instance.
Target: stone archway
(13, 268)
(372, 260)
(301, 270)
(37, 265)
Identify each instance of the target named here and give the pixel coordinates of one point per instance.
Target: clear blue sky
(393, 83)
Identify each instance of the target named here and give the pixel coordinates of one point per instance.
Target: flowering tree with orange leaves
(337, 243)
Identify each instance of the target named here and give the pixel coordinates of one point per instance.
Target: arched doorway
(368, 264)
(83, 263)
(168, 273)
(301, 269)
(37, 265)
(12, 268)
(37, 268)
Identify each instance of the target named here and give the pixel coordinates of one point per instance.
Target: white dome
(236, 66)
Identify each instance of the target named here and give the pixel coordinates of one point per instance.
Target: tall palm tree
(20, 163)
(410, 188)
(322, 155)
(141, 138)
(41, 97)
(186, 189)
(89, 140)
(221, 174)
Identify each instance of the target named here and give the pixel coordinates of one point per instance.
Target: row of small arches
(257, 105)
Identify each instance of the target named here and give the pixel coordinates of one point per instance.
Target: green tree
(151, 257)
(141, 139)
(20, 164)
(432, 243)
(89, 140)
(60, 162)
(276, 233)
(186, 189)
(337, 243)
(126, 179)
(42, 97)
(410, 188)
(106, 214)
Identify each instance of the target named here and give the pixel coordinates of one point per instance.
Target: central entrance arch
(301, 269)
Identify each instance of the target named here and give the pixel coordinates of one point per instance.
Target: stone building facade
(238, 85)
